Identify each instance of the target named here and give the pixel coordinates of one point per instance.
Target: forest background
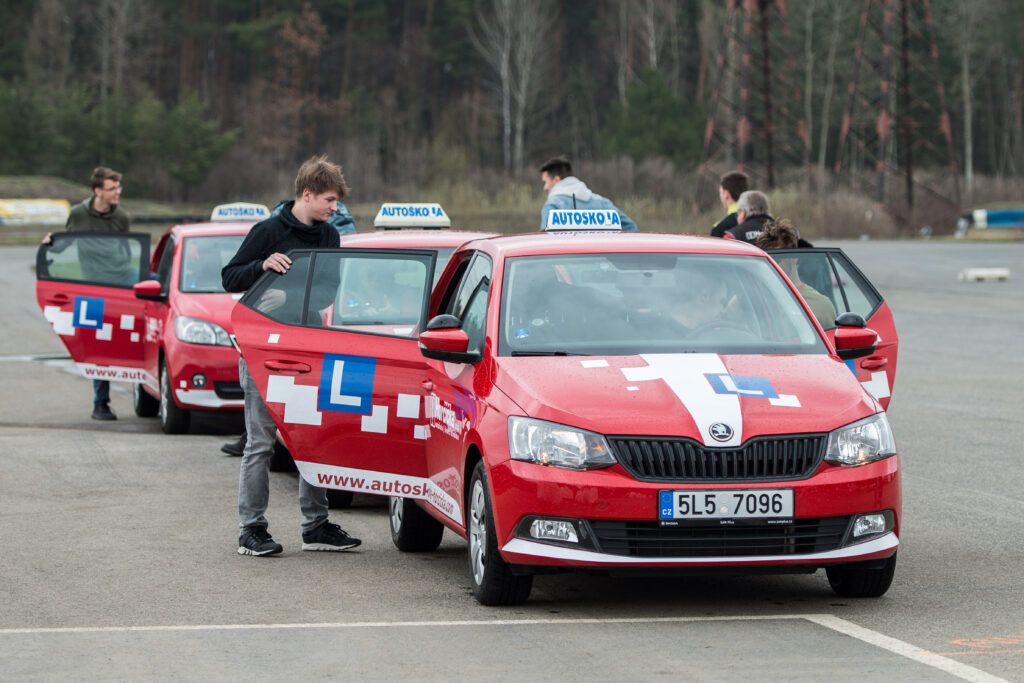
(459, 101)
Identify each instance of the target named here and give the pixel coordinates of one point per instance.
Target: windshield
(625, 304)
(202, 259)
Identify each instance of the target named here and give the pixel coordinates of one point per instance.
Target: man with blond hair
(301, 224)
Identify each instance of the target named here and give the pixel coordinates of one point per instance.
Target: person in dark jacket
(730, 187)
(751, 214)
(301, 224)
(102, 262)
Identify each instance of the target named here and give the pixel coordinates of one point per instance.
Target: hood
(306, 233)
(684, 394)
(215, 308)
(572, 186)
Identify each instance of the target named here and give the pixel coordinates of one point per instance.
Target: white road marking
(904, 649)
(829, 621)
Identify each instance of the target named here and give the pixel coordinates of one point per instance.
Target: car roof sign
(395, 216)
(583, 220)
(240, 211)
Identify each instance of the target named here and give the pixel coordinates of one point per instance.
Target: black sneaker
(329, 537)
(256, 541)
(102, 411)
(235, 448)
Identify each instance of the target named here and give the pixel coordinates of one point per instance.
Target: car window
(202, 259)
(623, 304)
(376, 293)
(111, 260)
(479, 271)
(163, 268)
(860, 297)
(811, 272)
(282, 297)
(444, 255)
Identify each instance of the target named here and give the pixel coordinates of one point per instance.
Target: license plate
(725, 504)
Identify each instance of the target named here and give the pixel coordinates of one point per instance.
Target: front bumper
(218, 364)
(524, 490)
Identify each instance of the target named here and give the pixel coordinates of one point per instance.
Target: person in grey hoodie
(566, 191)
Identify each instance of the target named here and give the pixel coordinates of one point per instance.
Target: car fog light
(866, 525)
(199, 380)
(554, 530)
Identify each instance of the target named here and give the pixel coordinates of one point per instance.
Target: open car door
(84, 288)
(830, 272)
(332, 347)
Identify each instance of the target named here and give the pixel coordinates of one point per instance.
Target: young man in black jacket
(300, 225)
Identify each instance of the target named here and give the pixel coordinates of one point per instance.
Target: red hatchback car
(600, 403)
(162, 323)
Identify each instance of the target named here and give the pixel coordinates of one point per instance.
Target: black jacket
(281, 233)
(725, 225)
(748, 230)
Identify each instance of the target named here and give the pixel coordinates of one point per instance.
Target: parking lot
(119, 546)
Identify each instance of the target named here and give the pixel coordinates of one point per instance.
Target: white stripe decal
(380, 484)
(206, 399)
(684, 373)
(524, 547)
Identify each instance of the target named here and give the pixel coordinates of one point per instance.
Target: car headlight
(553, 444)
(196, 331)
(862, 442)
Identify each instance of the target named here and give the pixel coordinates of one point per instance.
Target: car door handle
(58, 299)
(874, 362)
(427, 385)
(286, 366)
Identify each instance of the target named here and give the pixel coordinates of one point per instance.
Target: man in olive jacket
(102, 212)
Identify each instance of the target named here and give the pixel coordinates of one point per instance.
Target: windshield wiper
(547, 353)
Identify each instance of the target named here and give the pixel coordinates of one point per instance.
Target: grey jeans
(254, 477)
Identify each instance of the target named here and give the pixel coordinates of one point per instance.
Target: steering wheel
(720, 324)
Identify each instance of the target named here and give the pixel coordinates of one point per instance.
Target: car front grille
(742, 539)
(228, 390)
(670, 459)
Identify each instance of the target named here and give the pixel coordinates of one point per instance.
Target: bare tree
(514, 38)
(830, 82)
(47, 56)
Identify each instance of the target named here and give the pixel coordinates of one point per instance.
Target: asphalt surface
(119, 560)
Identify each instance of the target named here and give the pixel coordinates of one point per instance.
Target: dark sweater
(277, 234)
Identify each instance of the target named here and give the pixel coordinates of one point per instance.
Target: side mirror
(853, 338)
(149, 290)
(444, 339)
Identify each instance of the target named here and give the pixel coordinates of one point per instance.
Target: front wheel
(144, 404)
(412, 529)
(173, 420)
(492, 578)
(862, 580)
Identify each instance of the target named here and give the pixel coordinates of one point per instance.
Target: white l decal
(337, 398)
(83, 308)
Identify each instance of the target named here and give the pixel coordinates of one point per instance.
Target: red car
(593, 402)
(163, 323)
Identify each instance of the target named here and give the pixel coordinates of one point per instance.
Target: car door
(831, 273)
(84, 289)
(454, 401)
(332, 347)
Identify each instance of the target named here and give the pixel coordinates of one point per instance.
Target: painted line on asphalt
(904, 649)
(829, 621)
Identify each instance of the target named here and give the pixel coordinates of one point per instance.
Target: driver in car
(699, 300)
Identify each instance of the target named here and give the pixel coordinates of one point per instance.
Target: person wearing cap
(730, 187)
(781, 234)
(751, 215)
(566, 191)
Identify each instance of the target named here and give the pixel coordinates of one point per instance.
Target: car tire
(412, 529)
(144, 404)
(492, 578)
(173, 420)
(281, 460)
(862, 580)
(339, 500)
